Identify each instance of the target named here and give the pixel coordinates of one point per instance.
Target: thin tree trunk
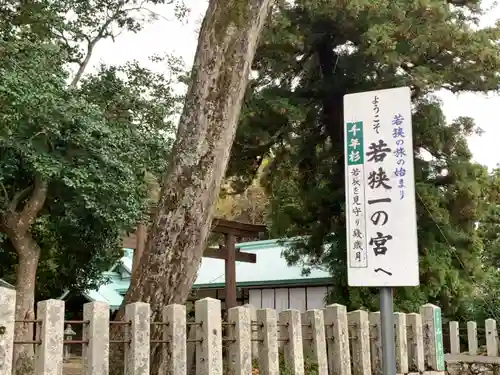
(168, 267)
(16, 223)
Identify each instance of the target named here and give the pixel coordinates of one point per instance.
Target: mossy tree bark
(226, 47)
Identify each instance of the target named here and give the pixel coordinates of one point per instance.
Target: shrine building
(262, 278)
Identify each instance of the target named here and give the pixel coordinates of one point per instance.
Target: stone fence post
(49, 354)
(7, 318)
(433, 336)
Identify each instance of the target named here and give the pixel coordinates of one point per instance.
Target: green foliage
(312, 54)
(94, 139)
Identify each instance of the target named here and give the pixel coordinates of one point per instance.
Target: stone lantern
(68, 336)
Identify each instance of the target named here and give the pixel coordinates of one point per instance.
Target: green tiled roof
(271, 269)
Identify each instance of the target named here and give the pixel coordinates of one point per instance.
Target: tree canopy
(75, 146)
(312, 54)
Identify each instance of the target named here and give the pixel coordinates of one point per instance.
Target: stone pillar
(401, 343)
(137, 352)
(268, 342)
(291, 331)
(454, 338)
(209, 334)
(7, 318)
(359, 333)
(375, 342)
(490, 326)
(49, 354)
(175, 334)
(255, 330)
(339, 358)
(313, 336)
(415, 343)
(433, 336)
(472, 337)
(240, 332)
(96, 332)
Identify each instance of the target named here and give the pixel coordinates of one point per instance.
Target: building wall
(300, 298)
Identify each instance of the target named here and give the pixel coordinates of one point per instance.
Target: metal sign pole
(387, 331)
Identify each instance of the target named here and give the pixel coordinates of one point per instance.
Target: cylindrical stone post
(339, 358)
(96, 333)
(240, 356)
(255, 330)
(359, 334)
(313, 336)
(49, 354)
(175, 335)
(291, 334)
(401, 343)
(490, 326)
(454, 338)
(268, 342)
(472, 337)
(433, 337)
(415, 339)
(209, 333)
(375, 342)
(138, 350)
(7, 318)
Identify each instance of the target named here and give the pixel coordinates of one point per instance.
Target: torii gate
(232, 230)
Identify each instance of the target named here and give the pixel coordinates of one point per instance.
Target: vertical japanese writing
(376, 110)
(357, 241)
(379, 183)
(398, 135)
(354, 143)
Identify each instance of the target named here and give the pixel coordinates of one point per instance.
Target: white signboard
(380, 189)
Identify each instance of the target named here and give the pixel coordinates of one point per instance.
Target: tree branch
(5, 195)
(92, 43)
(17, 199)
(34, 205)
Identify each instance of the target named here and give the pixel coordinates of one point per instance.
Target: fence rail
(336, 341)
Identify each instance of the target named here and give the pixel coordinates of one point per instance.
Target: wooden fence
(336, 341)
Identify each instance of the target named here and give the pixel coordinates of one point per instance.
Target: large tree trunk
(168, 267)
(29, 254)
(16, 224)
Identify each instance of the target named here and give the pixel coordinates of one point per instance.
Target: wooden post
(230, 284)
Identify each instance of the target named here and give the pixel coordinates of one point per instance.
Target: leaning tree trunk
(16, 223)
(226, 47)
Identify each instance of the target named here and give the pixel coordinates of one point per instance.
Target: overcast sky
(166, 36)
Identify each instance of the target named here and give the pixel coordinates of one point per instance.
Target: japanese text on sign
(380, 196)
